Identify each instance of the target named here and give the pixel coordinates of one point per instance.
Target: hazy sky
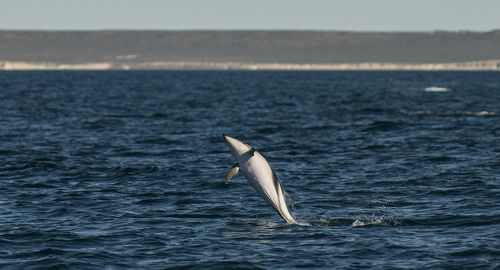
(358, 15)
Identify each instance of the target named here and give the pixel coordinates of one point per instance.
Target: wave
(449, 113)
(436, 89)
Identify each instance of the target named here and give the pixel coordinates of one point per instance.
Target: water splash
(358, 222)
(374, 221)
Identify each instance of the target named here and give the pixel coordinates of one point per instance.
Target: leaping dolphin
(260, 175)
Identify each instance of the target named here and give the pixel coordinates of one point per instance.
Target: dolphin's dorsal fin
(232, 172)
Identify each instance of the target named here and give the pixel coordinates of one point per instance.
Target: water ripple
(127, 169)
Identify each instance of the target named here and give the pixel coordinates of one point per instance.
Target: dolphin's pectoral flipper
(232, 172)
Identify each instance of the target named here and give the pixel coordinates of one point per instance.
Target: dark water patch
(36, 185)
(127, 116)
(159, 115)
(39, 165)
(45, 252)
(102, 124)
(437, 159)
(219, 265)
(139, 154)
(5, 152)
(157, 140)
(383, 126)
(456, 221)
(371, 111)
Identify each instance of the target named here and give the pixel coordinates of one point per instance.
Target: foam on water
(436, 89)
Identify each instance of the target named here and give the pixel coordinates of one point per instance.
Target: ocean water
(126, 170)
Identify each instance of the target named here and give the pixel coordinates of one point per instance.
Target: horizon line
(248, 30)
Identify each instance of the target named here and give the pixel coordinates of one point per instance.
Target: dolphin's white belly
(260, 175)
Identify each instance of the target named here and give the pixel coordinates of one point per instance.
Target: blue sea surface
(126, 170)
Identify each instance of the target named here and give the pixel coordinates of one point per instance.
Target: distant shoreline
(487, 65)
(249, 50)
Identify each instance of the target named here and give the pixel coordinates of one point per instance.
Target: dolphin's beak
(238, 148)
(229, 139)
